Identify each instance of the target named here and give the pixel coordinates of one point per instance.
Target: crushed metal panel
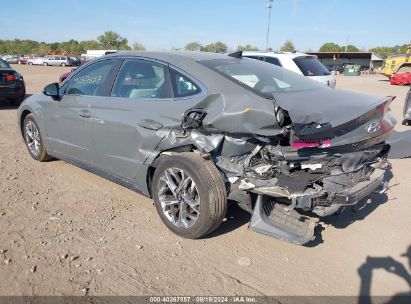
(275, 220)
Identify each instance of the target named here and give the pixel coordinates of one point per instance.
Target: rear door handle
(150, 124)
(85, 114)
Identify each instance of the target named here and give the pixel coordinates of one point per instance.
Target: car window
(310, 66)
(268, 59)
(272, 60)
(182, 85)
(141, 79)
(4, 64)
(90, 80)
(263, 79)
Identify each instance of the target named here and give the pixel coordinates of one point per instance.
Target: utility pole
(346, 44)
(269, 5)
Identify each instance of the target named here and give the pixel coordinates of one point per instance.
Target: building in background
(367, 60)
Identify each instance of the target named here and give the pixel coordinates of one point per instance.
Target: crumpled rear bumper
(361, 190)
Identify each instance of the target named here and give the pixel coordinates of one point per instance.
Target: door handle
(85, 114)
(150, 124)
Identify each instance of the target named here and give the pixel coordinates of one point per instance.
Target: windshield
(310, 66)
(262, 78)
(4, 64)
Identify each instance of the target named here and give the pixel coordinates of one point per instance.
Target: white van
(301, 63)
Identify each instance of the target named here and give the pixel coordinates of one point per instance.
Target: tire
(19, 62)
(45, 63)
(30, 63)
(63, 64)
(208, 197)
(40, 155)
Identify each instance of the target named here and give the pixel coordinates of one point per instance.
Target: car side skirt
(127, 183)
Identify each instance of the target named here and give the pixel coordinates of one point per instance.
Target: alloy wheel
(32, 138)
(179, 198)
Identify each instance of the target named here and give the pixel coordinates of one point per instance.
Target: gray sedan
(195, 130)
(407, 109)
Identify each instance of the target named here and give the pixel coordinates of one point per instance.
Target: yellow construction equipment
(393, 63)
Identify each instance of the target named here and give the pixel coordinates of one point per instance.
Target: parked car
(58, 61)
(301, 63)
(407, 109)
(401, 78)
(75, 61)
(36, 61)
(23, 59)
(11, 59)
(66, 74)
(192, 130)
(335, 68)
(12, 86)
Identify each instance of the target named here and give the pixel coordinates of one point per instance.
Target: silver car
(194, 130)
(407, 109)
(57, 61)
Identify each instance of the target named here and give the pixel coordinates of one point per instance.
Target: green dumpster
(352, 70)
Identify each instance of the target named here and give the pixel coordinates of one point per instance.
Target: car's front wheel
(45, 64)
(34, 141)
(189, 195)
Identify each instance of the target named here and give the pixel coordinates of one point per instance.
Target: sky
(166, 24)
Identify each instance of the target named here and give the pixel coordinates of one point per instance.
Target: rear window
(261, 78)
(4, 64)
(271, 60)
(310, 66)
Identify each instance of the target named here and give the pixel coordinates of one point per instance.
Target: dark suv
(12, 85)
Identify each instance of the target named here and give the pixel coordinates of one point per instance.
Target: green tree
(383, 51)
(288, 46)
(90, 45)
(247, 47)
(215, 47)
(351, 48)
(193, 46)
(113, 40)
(330, 47)
(137, 46)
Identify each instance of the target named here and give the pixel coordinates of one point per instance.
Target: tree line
(114, 41)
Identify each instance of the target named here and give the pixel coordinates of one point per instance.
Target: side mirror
(52, 90)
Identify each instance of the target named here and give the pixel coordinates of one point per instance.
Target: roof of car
(176, 55)
(275, 54)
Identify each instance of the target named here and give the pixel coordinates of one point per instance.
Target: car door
(69, 120)
(128, 126)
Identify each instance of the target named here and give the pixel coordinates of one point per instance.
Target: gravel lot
(65, 231)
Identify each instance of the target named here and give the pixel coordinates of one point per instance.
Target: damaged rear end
(330, 154)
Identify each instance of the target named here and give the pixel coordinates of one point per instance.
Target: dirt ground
(64, 231)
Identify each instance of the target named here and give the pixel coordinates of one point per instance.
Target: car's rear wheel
(63, 64)
(30, 63)
(189, 195)
(34, 141)
(45, 64)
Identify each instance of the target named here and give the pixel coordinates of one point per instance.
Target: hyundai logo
(373, 127)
